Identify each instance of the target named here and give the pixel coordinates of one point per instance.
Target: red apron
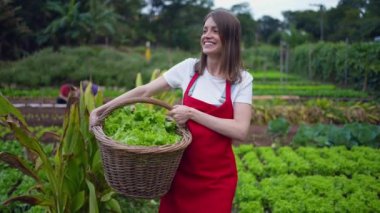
(206, 177)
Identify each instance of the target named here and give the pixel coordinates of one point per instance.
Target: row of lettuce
(261, 163)
(307, 179)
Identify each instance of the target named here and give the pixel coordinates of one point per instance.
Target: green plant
(72, 180)
(350, 135)
(278, 129)
(140, 125)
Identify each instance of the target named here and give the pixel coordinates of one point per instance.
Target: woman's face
(210, 39)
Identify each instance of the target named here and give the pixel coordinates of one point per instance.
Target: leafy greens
(141, 125)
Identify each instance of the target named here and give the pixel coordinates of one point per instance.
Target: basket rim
(107, 141)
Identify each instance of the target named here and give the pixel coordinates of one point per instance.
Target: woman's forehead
(210, 22)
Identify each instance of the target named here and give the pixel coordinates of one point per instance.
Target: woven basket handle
(130, 101)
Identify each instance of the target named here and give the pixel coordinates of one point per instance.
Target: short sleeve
(244, 93)
(179, 74)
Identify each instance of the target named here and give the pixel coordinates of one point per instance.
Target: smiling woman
(217, 98)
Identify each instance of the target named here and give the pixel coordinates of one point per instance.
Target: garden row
(354, 66)
(350, 65)
(310, 112)
(84, 166)
(278, 83)
(265, 83)
(275, 180)
(307, 179)
(263, 162)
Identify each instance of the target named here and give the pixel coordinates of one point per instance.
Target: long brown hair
(229, 32)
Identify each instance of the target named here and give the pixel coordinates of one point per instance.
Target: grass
(105, 66)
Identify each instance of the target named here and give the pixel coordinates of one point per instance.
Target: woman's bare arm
(236, 128)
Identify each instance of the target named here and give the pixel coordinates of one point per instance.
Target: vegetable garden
(313, 147)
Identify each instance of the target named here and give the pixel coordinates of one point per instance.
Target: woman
(217, 96)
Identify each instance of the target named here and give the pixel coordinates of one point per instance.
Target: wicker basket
(139, 171)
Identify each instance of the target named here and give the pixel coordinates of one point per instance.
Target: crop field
(313, 145)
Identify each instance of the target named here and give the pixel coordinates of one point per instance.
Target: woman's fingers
(178, 113)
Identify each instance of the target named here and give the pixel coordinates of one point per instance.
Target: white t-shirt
(208, 88)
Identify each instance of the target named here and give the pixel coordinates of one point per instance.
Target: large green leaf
(6, 108)
(93, 203)
(33, 200)
(365, 134)
(78, 201)
(26, 138)
(19, 164)
(113, 205)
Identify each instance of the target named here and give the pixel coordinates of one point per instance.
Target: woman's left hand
(181, 114)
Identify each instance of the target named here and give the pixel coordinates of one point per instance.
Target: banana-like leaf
(32, 200)
(139, 80)
(26, 138)
(88, 97)
(19, 164)
(113, 205)
(107, 196)
(6, 108)
(93, 203)
(98, 99)
(78, 201)
(72, 140)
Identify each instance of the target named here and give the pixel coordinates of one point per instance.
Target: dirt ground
(258, 136)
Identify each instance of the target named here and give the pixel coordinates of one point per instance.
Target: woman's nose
(207, 33)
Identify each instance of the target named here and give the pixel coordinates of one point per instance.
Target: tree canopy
(28, 26)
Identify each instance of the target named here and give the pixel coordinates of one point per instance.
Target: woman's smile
(210, 39)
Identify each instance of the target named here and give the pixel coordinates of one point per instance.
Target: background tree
(102, 21)
(304, 21)
(294, 37)
(248, 24)
(179, 23)
(132, 26)
(31, 25)
(14, 31)
(69, 26)
(269, 30)
(370, 26)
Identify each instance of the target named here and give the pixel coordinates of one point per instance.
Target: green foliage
(278, 127)
(356, 65)
(351, 134)
(104, 66)
(14, 31)
(263, 57)
(279, 83)
(140, 125)
(313, 180)
(66, 181)
(68, 26)
(273, 165)
(315, 111)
